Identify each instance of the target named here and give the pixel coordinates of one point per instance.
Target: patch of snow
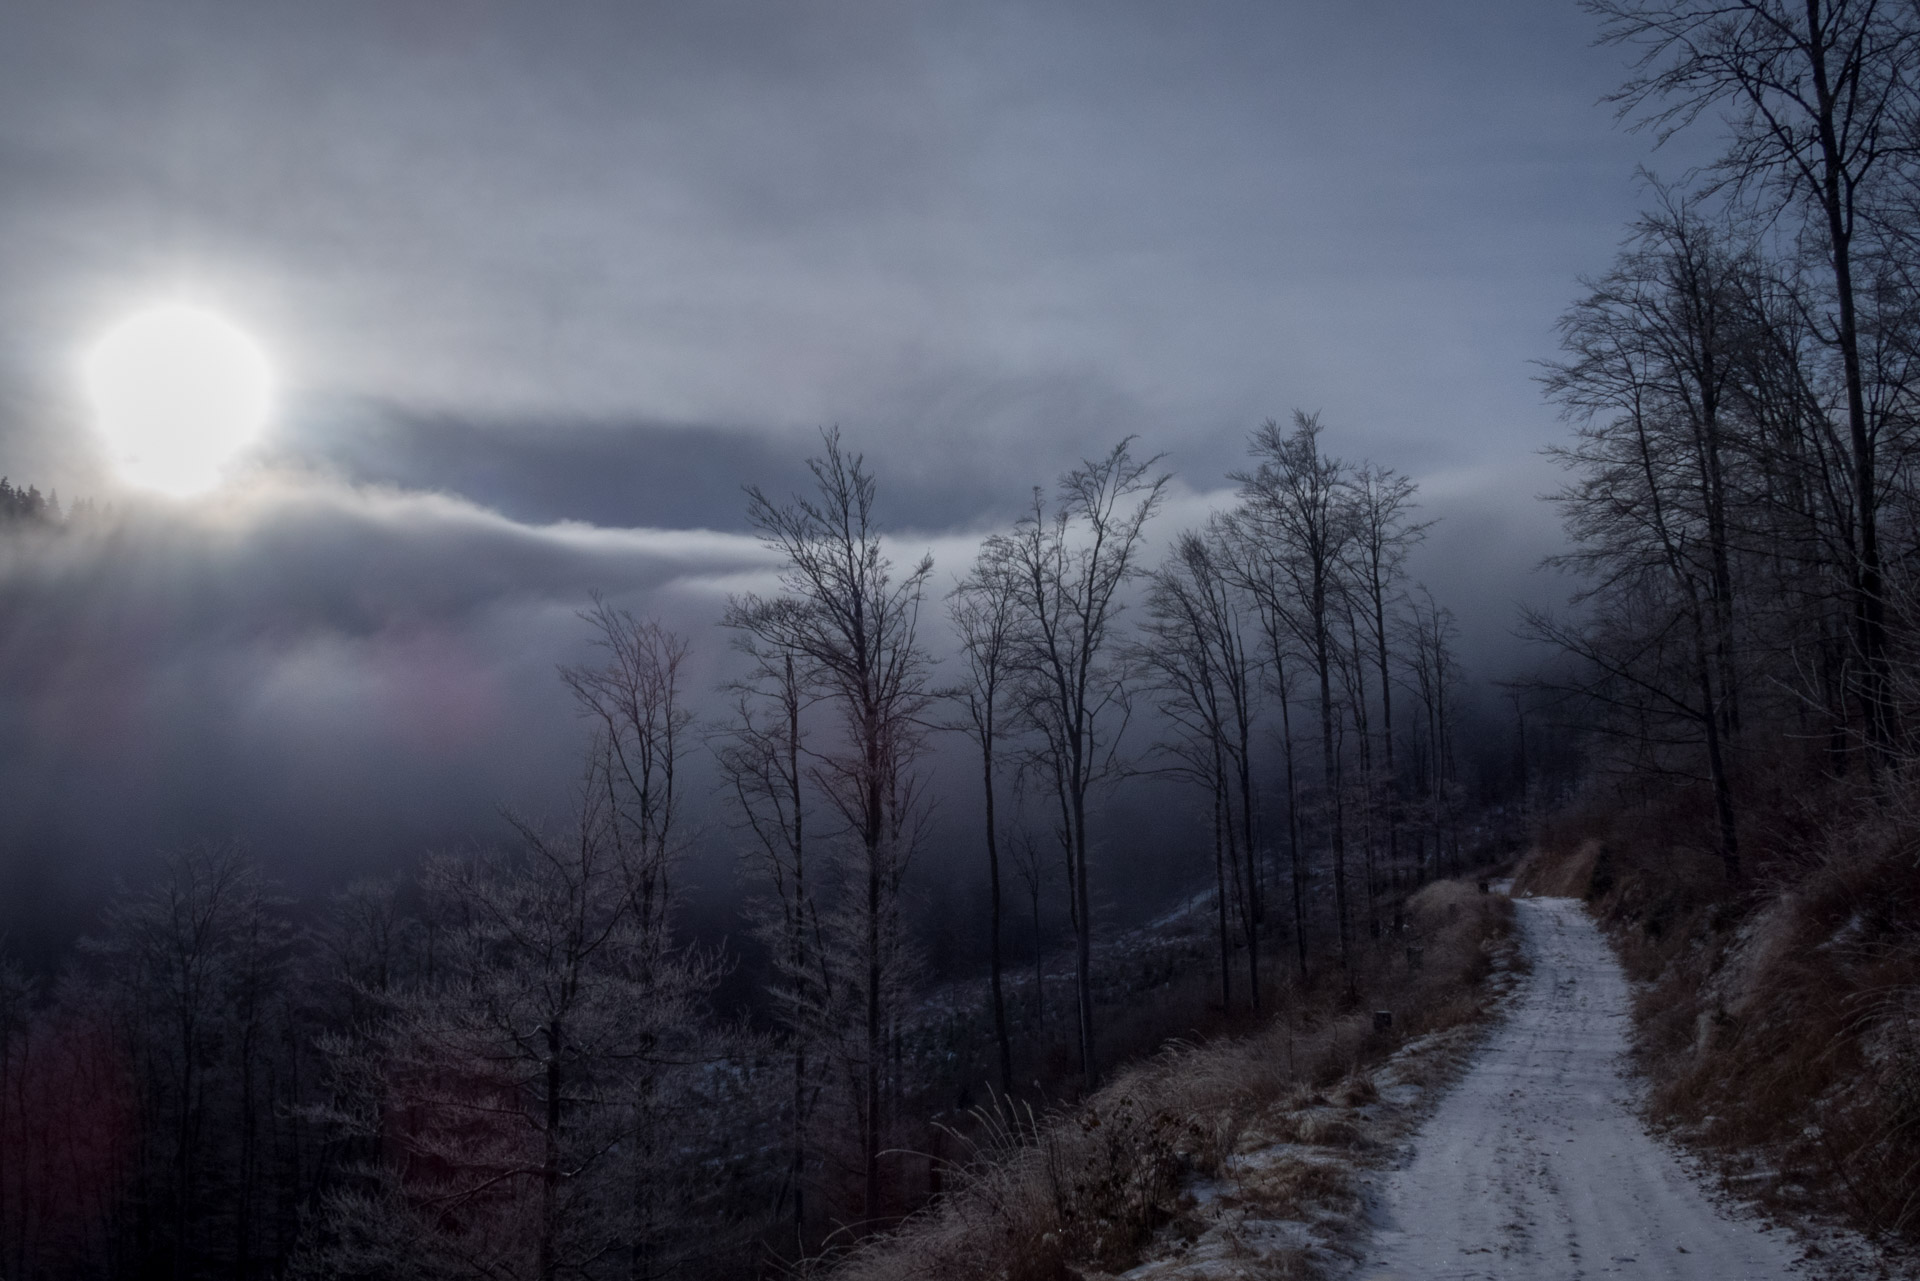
(1538, 1165)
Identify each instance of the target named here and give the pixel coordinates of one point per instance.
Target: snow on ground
(1289, 1202)
(1537, 1164)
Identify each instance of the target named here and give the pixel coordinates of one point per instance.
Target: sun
(177, 394)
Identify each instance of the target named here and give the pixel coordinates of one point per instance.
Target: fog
(545, 288)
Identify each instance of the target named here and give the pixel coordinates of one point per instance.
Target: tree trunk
(993, 886)
(1083, 941)
(1330, 784)
(1220, 895)
(1869, 607)
(1386, 728)
(1296, 872)
(876, 1043)
(1256, 911)
(1039, 965)
(549, 1261)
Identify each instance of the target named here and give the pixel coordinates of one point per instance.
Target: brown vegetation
(1272, 1120)
(1778, 1020)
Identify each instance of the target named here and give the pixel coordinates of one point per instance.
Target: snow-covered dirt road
(1536, 1166)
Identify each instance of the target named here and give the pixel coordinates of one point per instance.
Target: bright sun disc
(177, 393)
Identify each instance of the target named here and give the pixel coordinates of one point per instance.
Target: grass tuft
(1273, 1118)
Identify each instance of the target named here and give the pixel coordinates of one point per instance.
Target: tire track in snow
(1536, 1166)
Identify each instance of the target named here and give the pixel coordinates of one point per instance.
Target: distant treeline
(30, 505)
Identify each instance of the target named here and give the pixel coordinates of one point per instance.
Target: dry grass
(1552, 874)
(1269, 1121)
(1779, 1021)
(1294, 1181)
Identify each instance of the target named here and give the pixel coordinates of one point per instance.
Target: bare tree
(1656, 352)
(1384, 535)
(982, 609)
(1070, 561)
(1255, 567)
(1297, 500)
(522, 1097)
(1434, 672)
(762, 755)
(1820, 107)
(854, 625)
(1361, 795)
(1180, 670)
(1195, 648)
(519, 1095)
(1030, 865)
(195, 962)
(634, 699)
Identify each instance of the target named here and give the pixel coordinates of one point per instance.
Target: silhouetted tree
(854, 625)
(1818, 99)
(1384, 534)
(1070, 562)
(1655, 353)
(982, 608)
(1194, 647)
(762, 753)
(1297, 501)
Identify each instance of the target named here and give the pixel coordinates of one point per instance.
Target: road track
(1537, 1167)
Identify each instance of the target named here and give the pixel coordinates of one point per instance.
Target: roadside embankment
(1232, 1149)
(1535, 1164)
(1776, 1018)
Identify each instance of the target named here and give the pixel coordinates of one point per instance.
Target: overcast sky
(546, 283)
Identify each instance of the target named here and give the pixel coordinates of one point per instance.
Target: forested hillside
(494, 789)
(1742, 504)
(516, 1061)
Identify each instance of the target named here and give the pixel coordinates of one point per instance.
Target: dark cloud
(781, 216)
(548, 283)
(622, 473)
(338, 676)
